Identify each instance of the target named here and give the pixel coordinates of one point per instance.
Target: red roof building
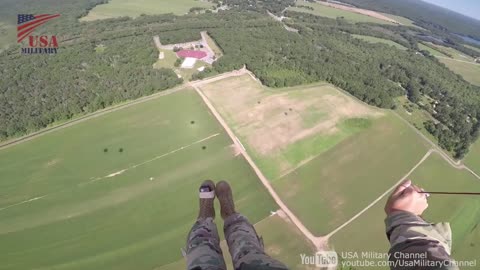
(192, 54)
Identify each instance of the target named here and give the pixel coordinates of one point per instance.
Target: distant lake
(469, 39)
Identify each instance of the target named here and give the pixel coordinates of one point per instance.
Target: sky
(470, 8)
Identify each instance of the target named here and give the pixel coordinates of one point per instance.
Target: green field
(118, 8)
(284, 128)
(473, 158)
(432, 51)
(469, 71)
(345, 179)
(462, 212)
(118, 191)
(379, 40)
(169, 61)
(330, 12)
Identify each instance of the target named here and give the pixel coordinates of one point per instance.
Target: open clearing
(284, 128)
(331, 12)
(456, 61)
(462, 212)
(118, 8)
(105, 193)
(339, 183)
(469, 71)
(379, 40)
(472, 160)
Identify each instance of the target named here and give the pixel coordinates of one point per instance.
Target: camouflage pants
(245, 246)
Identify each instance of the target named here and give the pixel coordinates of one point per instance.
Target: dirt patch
(269, 122)
(235, 150)
(52, 162)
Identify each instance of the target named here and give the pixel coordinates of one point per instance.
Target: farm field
(282, 241)
(342, 181)
(379, 40)
(118, 191)
(284, 128)
(462, 212)
(469, 71)
(473, 158)
(118, 8)
(454, 53)
(330, 12)
(432, 51)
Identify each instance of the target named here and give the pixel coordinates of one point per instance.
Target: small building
(202, 68)
(189, 62)
(161, 55)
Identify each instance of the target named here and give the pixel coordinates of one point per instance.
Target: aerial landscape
(314, 111)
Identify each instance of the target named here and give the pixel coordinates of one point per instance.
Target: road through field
(318, 242)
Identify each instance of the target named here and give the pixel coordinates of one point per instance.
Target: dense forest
(101, 64)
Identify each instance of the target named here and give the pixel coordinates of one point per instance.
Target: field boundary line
(381, 196)
(89, 116)
(112, 174)
(317, 241)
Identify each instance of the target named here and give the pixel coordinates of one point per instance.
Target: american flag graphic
(28, 22)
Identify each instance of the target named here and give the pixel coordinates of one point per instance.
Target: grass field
(462, 212)
(432, 51)
(330, 12)
(169, 61)
(379, 40)
(117, 191)
(469, 71)
(281, 238)
(336, 185)
(283, 128)
(118, 8)
(473, 158)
